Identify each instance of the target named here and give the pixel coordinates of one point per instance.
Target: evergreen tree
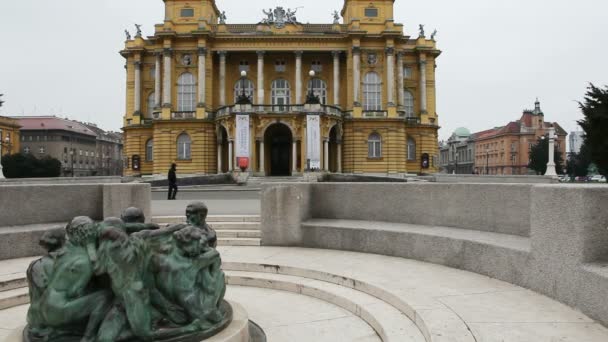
(595, 126)
(539, 157)
(27, 166)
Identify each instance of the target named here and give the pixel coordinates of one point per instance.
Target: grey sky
(61, 57)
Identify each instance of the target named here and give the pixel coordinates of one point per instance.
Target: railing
(183, 115)
(412, 120)
(146, 121)
(271, 109)
(375, 113)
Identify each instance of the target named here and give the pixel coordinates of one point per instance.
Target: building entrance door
(278, 144)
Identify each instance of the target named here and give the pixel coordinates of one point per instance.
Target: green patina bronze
(125, 280)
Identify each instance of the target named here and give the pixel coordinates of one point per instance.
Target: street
(218, 202)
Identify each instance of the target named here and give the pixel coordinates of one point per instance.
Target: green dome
(462, 132)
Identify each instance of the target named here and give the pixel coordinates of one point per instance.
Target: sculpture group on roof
(125, 280)
(279, 17)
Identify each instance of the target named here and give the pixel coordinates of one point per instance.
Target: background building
(506, 150)
(71, 142)
(375, 87)
(9, 135)
(109, 151)
(576, 140)
(457, 155)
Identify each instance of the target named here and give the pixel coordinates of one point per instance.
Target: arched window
(372, 92)
(411, 149)
(238, 89)
(320, 89)
(151, 105)
(186, 93)
(409, 104)
(150, 150)
(374, 146)
(183, 147)
(280, 94)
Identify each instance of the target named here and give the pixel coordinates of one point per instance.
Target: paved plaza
(220, 202)
(298, 294)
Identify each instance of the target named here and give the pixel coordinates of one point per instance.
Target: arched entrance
(333, 149)
(223, 142)
(278, 145)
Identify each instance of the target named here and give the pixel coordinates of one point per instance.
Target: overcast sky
(61, 57)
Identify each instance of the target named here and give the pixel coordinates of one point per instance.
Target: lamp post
(311, 98)
(243, 99)
(487, 160)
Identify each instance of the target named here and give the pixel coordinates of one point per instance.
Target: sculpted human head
(189, 241)
(196, 213)
(81, 231)
(133, 215)
(53, 239)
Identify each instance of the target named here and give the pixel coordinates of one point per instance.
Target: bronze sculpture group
(125, 280)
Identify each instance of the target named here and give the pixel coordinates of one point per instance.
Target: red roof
(33, 123)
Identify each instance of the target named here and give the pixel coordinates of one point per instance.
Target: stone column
(423, 108)
(202, 75)
(137, 92)
(294, 152)
(260, 89)
(326, 155)
(157, 81)
(219, 157)
(262, 161)
(336, 55)
(339, 156)
(390, 75)
(299, 77)
(356, 75)
(222, 77)
(551, 164)
(400, 82)
(168, 53)
(230, 161)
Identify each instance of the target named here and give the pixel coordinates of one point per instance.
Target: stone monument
(125, 280)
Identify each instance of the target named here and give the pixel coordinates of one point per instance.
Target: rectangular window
(187, 12)
(152, 72)
(371, 12)
(407, 72)
(280, 66)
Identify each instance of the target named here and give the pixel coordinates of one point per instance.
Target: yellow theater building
(279, 97)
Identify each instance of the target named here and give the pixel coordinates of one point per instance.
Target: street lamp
(311, 98)
(487, 160)
(243, 99)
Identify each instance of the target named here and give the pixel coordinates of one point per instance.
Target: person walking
(172, 182)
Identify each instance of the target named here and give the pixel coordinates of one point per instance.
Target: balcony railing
(375, 113)
(412, 120)
(183, 115)
(278, 109)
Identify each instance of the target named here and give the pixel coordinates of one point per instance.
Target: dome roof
(462, 132)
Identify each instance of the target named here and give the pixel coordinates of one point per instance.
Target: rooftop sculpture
(279, 17)
(125, 280)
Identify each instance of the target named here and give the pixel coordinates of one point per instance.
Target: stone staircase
(232, 230)
(282, 179)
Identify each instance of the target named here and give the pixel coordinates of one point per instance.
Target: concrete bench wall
(470, 206)
(549, 238)
(27, 211)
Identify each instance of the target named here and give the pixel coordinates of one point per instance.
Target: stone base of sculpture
(225, 308)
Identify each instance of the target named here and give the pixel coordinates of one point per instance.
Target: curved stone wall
(552, 239)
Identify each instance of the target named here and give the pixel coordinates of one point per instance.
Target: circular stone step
(236, 331)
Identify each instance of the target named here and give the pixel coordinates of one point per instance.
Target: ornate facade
(279, 97)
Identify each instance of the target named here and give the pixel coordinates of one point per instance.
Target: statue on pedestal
(126, 280)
